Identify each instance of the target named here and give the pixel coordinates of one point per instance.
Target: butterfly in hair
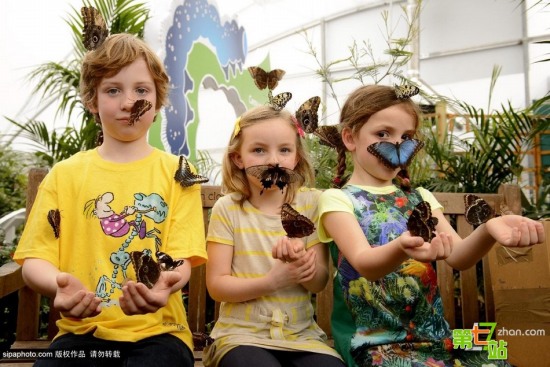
(147, 269)
(264, 79)
(95, 31)
(270, 175)
(279, 101)
(54, 218)
(185, 177)
(477, 210)
(329, 136)
(406, 91)
(307, 114)
(138, 109)
(396, 155)
(295, 224)
(421, 223)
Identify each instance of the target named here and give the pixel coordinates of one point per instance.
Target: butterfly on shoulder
(279, 101)
(138, 109)
(330, 136)
(264, 79)
(270, 175)
(166, 262)
(396, 155)
(95, 31)
(477, 210)
(147, 269)
(185, 177)
(54, 218)
(307, 114)
(295, 224)
(421, 223)
(406, 91)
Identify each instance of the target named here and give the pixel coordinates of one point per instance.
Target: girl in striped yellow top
(262, 278)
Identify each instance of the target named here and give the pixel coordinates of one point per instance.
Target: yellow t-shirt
(107, 211)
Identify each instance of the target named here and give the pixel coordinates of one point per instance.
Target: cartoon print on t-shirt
(130, 223)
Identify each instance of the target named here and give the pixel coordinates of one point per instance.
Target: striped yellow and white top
(282, 320)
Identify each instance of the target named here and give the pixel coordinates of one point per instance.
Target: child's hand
(288, 274)
(137, 299)
(516, 231)
(288, 249)
(72, 299)
(438, 249)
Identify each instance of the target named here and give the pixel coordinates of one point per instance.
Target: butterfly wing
(146, 269)
(273, 78)
(201, 340)
(421, 223)
(295, 224)
(279, 101)
(54, 218)
(166, 262)
(307, 114)
(406, 150)
(406, 91)
(330, 136)
(478, 211)
(259, 76)
(185, 177)
(138, 109)
(385, 152)
(94, 31)
(270, 175)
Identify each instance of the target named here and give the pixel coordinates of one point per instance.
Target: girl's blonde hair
(364, 102)
(116, 52)
(234, 178)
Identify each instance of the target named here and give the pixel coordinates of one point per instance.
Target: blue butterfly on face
(396, 155)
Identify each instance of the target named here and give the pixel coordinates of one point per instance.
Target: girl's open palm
(516, 231)
(438, 249)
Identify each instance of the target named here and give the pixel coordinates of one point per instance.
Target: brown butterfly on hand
(95, 31)
(307, 114)
(295, 224)
(477, 210)
(421, 223)
(147, 269)
(264, 79)
(185, 177)
(138, 109)
(270, 175)
(54, 218)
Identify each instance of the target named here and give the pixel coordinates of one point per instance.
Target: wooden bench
(460, 311)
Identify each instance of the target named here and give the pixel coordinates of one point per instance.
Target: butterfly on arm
(148, 270)
(396, 155)
(95, 31)
(270, 175)
(421, 223)
(477, 210)
(295, 224)
(138, 109)
(54, 218)
(185, 177)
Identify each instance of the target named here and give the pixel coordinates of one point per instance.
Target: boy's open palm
(137, 299)
(516, 231)
(72, 299)
(438, 249)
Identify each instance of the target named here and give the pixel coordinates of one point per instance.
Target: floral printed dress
(399, 318)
